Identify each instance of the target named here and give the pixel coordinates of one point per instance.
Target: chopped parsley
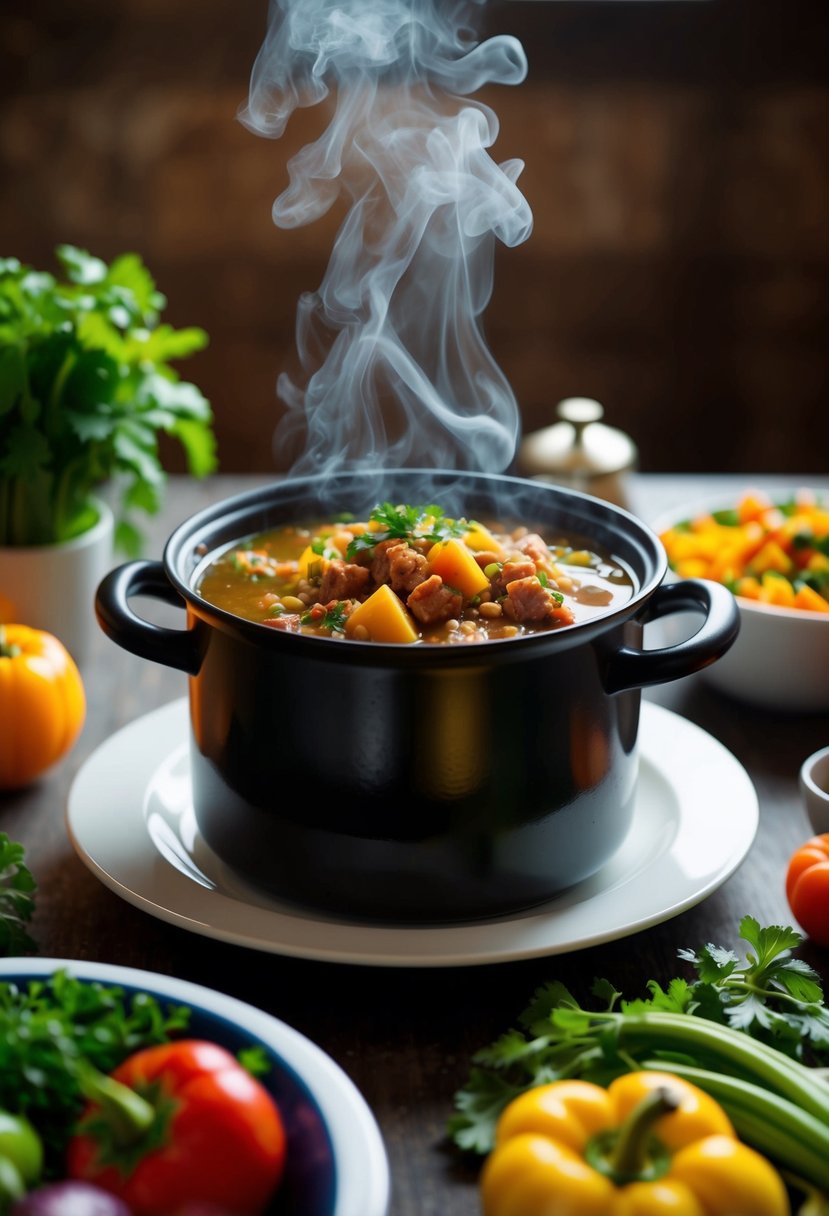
(333, 617)
(407, 524)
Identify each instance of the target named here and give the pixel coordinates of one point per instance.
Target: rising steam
(396, 370)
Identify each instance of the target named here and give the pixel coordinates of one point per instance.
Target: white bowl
(335, 1162)
(780, 659)
(814, 789)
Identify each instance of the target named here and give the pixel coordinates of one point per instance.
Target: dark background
(677, 165)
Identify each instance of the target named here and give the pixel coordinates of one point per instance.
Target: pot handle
(173, 647)
(630, 668)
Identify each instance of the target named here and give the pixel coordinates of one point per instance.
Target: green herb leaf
(86, 385)
(50, 1025)
(406, 523)
(17, 899)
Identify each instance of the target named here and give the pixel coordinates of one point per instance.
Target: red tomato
(807, 887)
(217, 1137)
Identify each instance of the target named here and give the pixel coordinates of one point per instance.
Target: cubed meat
(432, 601)
(407, 568)
(343, 581)
(534, 546)
(288, 622)
(511, 572)
(528, 600)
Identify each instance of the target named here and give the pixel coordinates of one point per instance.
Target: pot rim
(236, 516)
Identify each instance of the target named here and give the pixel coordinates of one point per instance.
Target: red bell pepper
(179, 1124)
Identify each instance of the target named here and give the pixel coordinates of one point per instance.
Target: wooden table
(405, 1036)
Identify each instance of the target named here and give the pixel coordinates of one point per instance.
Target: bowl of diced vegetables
(772, 551)
(128, 1093)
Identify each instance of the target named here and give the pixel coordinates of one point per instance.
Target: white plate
(336, 1163)
(131, 821)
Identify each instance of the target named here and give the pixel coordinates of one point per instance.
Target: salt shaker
(581, 452)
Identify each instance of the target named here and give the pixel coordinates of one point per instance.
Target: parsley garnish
(406, 523)
(333, 618)
(17, 899)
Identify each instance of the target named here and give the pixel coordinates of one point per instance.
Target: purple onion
(70, 1198)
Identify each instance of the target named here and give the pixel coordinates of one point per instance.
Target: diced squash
(748, 587)
(481, 540)
(309, 558)
(457, 567)
(384, 617)
(771, 557)
(806, 597)
(775, 589)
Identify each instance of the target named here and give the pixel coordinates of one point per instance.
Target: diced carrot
(806, 597)
(776, 590)
(752, 505)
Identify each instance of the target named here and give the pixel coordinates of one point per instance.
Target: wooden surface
(405, 1036)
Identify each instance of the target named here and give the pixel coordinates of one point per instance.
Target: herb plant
(86, 388)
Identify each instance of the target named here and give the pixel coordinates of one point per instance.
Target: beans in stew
(413, 575)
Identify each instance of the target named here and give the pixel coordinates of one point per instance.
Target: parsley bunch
(86, 387)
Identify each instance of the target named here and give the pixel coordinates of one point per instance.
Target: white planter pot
(52, 587)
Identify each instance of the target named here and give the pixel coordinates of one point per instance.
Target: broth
(412, 574)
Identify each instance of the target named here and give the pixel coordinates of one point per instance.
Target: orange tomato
(807, 887)
(42, 703)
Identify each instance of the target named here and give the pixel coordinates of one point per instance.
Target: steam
(396, 371)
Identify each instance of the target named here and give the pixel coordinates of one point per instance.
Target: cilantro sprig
(86, 388)
(17, 899)
(406, 523)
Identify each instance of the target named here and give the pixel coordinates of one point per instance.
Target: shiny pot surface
(415, 782)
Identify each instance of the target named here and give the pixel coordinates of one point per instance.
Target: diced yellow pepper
(748, 587)
(457, 567)
(771, 557)
(384, 617)
(775, 589)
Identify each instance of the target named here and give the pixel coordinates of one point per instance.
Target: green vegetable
(21, 1157)
(54, 1029)
(333, 618)
(86, 386)
(406, 523)
(17, 899)
(741, 1031)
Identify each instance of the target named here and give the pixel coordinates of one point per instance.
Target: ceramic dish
(813, 780)
(694, 821)
(336, 1162)
(780, 659)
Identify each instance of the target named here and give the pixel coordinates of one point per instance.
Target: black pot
(424, 782)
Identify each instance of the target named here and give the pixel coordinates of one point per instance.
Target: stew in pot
(413, 574)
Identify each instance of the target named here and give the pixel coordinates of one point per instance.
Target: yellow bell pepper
(42, 703)
(651, 1144)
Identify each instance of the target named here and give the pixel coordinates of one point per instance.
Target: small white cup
(814, 789)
